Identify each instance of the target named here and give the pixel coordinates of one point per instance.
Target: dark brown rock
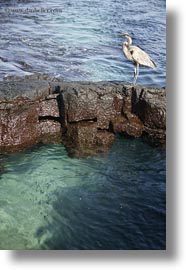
(150, 106)
(109, 104)
(28, 114)
(127, 99)
(30, 89)
(50, 131)
(85, 101)
(134, 125)
(33, 110)
(82, 133)
(83, 139)
(155, 137)
(129, 125)
(104, 138)
(105, 111)
(80, 139)
(79, 103)
(49, 107)
(18, 127)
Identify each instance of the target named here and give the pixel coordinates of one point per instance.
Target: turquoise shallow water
(51, 201)
(82, 42)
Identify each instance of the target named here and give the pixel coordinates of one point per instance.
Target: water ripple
(85, 25)
(51, 201)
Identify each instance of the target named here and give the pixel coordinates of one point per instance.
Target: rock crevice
(85, 116)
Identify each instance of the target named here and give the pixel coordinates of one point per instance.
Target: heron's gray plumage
(137, 56)
(141, 57)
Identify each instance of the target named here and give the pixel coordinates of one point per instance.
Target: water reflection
(51, 201)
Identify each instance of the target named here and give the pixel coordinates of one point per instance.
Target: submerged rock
(83, 115)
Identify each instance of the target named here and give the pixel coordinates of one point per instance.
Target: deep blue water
(82, 42)
(49, 200)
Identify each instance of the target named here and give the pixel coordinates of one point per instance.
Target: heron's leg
(135, 75)
(137, 71)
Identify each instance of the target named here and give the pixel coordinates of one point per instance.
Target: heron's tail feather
(153, 64)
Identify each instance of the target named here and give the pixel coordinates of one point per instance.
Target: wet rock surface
(30, 89)
(85, 116)
(150, 106)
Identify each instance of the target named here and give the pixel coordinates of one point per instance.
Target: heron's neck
(129, 40)
(126, 52)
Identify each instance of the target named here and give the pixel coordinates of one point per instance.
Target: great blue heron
(137, 56)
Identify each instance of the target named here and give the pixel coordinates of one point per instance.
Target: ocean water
(80, 41)
(49, 200)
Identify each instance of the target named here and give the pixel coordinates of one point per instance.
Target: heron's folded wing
(141, 57)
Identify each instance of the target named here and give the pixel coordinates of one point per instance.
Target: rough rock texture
(50, 131)
(83, 115)
(150, 106)
(30, 89)
(129, 124)
(49, 107)
(18, 126)
(79, 104)
(28, 114)
(104, 139)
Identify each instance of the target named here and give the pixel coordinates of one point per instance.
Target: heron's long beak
(125, 35)
(121, 35)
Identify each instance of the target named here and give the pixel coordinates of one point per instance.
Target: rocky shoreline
(84, 116)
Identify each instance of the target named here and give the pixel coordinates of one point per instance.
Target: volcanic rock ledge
(85, 116)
